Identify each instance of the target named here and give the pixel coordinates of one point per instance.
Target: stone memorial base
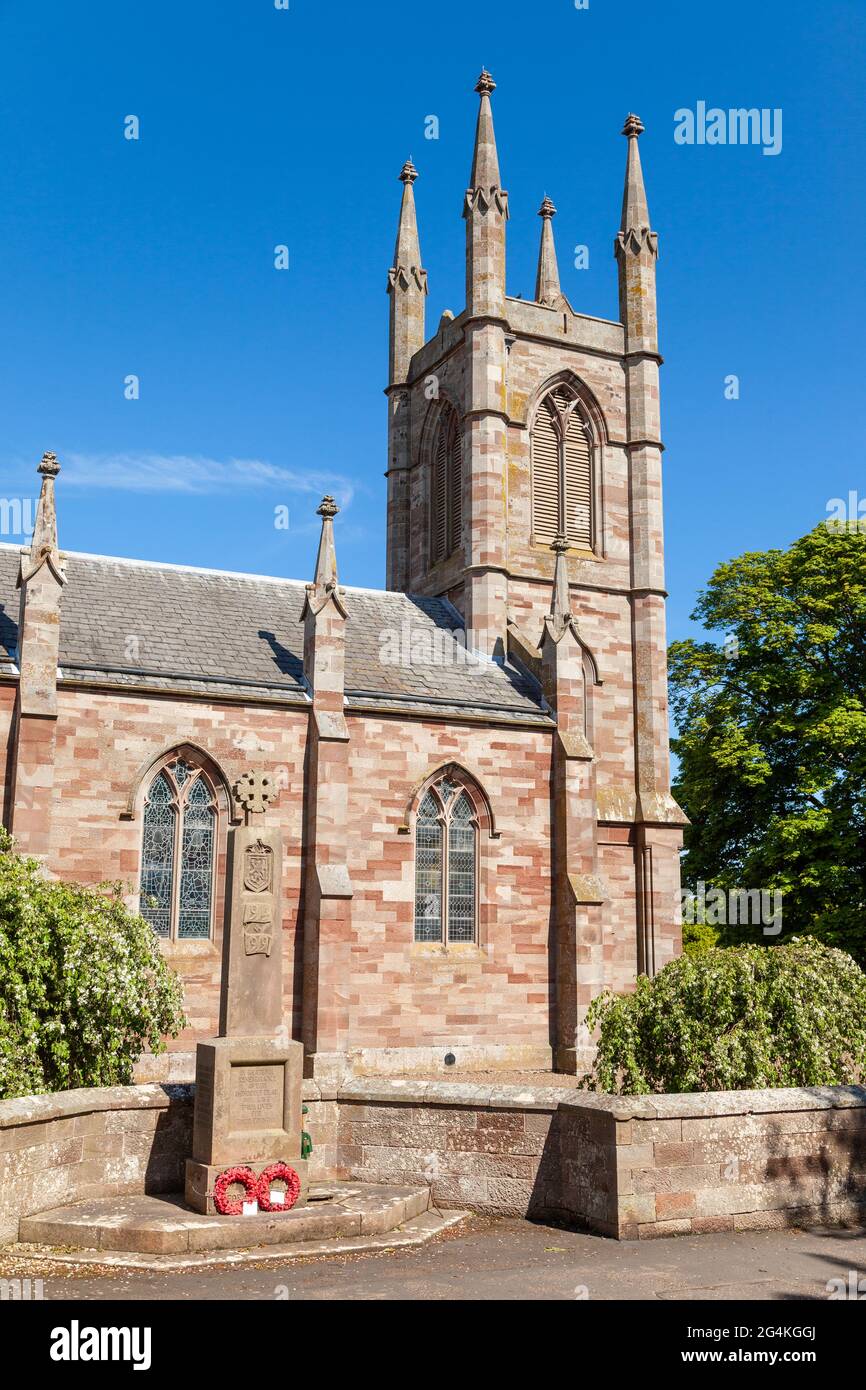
(200, 1179)
(247, 1112)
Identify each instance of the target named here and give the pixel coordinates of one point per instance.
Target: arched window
(178, 853)
(562, 470)
(446, 865)
(446, 493)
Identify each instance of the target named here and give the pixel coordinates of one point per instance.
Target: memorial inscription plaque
(256, 1097)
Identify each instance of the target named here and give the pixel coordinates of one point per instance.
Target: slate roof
(168, 627)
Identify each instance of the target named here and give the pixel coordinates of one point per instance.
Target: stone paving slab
(417, 1231)
(164, 1225)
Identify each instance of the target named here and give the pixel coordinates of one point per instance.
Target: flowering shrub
(84, 988)
(728, 1020)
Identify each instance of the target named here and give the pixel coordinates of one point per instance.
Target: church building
(471, 766)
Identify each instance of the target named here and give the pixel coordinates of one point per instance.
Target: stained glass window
(196, 873)
(182, 771)
(157, 871)
(446, 851)
(178, 851)
(428, 871)
(461, 872)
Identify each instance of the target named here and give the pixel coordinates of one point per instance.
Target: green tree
(83, 984)
(772, 735)
(734, 1019)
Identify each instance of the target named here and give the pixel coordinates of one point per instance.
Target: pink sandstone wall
(404, 995)
(103, 742)
(7, 708)
(398, 995)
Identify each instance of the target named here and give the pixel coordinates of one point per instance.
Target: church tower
(525, 442)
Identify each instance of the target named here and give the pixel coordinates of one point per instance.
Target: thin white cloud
(194, 474)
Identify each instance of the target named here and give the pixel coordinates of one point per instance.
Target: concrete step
(164, 1225)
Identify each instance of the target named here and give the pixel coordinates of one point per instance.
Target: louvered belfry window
(561, 470)
(447, 486)
(178, 853)
(446, 865)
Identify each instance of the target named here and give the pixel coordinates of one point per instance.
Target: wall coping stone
(708, 1104)
(26, 1110)
(408, 1091)
(60, 1105)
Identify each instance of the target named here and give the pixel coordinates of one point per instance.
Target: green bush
(699, 936)
(84, 988)
(727, 1020)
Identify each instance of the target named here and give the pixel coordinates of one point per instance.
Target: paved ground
(516, 1260)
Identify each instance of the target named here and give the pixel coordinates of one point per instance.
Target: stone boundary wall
(627, 1167)
(111, 1141)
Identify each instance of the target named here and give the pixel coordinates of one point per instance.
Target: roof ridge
(197, 569)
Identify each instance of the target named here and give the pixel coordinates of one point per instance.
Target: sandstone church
(472, 765)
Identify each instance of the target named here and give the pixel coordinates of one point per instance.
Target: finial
(547, 209)
(485, 84)
(634, 126)
(49, 467)
(327, 507)
(560, 544)
(408, 174)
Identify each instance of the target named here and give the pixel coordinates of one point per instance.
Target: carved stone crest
(259, 868)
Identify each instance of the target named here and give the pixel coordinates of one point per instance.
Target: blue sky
(262, 388)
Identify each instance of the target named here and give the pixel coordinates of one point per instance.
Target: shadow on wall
(170, 1141)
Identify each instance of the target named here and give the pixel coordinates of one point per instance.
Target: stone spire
(485, 161)
(636, 250)
(485, 209)
(43, 544)
(547, 290)
(325, 580)
(407, 284)
(635, 212)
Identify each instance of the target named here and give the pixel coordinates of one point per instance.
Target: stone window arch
(180, 850)
(563, 468)
(446, 485)
(447, 863)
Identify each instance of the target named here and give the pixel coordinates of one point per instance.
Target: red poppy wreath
(234, 1177)
(278, 1173)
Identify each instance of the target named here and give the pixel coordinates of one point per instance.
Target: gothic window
(562, 470)
(178, 853)
(446, 865)
(447, 486)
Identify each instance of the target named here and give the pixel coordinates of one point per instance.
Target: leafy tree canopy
(772, 741)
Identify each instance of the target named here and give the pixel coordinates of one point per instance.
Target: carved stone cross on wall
(254, 791)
